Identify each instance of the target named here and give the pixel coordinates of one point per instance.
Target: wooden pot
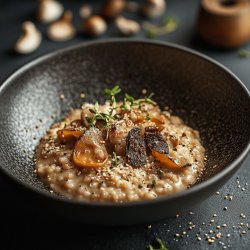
(224, 23)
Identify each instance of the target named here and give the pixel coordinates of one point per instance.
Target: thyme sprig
(105, 117)
(115, 159)
(97, 115)
(148, 99)
(148, 116)
(112, 93)
(161, 246)
(168, 25)
(128, 103)
(244, 53)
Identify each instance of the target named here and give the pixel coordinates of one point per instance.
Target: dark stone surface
(24, 222)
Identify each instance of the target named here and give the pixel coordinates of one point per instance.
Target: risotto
(119, 152)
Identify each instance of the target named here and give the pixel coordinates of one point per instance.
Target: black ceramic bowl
(204, 93)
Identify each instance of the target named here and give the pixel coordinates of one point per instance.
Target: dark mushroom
(159, 147)
(136, 148)
(155, 140)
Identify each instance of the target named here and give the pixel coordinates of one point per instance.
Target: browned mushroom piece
(71, 132)
(136, 148)
(68, 134)
(90, 151)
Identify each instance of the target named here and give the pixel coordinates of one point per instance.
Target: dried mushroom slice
(165, 160)
(155, 141)
(69, 134)
(159, 147)
(72, 132)
(136, 148)
(90, 151)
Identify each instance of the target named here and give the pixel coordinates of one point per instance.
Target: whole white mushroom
(49, 10)
(154, 8)
(29, 40)
(63, 29)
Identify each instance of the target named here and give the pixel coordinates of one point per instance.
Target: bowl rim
(166, 198)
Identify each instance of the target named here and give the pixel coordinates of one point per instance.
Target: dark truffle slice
(155, 141)
(136, 148)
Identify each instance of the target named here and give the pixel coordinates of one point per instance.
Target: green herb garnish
(153, 183)
(148, 99)
(114, 159)
(112, 93)
(106, 118)
(91, 121)
(151, 33)
(168, 25)
(128, 103)
(147, 116)
(244, 53)
(161, 245)
(97, 115)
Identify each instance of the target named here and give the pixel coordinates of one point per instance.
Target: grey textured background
(25, 225)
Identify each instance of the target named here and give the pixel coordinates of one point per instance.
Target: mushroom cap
(154, 8)
(49, 10)
(112, 8)
(94, 26)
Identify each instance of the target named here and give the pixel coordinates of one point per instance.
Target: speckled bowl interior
(205, 95)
